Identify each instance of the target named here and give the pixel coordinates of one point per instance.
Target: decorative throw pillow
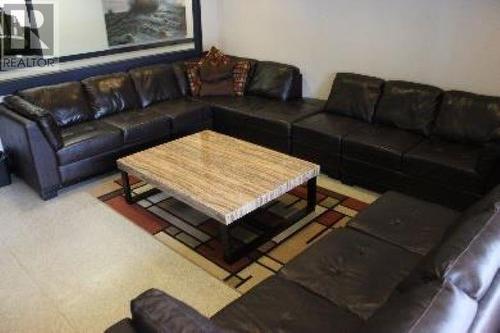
(210, 73)
(193, 75)
(217, 74)
(241, 72)
(217, 88)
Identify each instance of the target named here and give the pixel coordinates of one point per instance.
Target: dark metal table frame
(231, 253)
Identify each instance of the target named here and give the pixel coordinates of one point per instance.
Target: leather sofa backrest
(470, 256)
(155, 84)
(67, 102)
(355, 96)
(433, 307)
(111, 94)
(409, 106)
(466, 117)
(154, 311)
(179, 68)
(274, 80)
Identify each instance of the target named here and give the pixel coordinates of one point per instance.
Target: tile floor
(72, 264)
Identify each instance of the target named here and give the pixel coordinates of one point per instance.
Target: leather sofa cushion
(409, 106)
(155, 84)
(66, 102)
(141, 125)
(278, 305)
(88, 139)
(432, 307)
(318, 139)
(466, 117)
(111, 94)
(183, 114)
(274, 80)
(449, 163)
(380, 145)
(154, 311)
(325, 130)
(265, 114)
(469, 258)
(345, 268)
(261, 120)
(355, 95)
(42, 117)
(412, 224)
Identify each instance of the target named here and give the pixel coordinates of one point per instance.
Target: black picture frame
(197, 40)
(77, 73)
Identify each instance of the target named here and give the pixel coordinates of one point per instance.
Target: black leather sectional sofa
(417, 139)
(58, 135)
(402, 265)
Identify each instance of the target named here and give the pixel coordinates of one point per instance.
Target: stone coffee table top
(221, 176)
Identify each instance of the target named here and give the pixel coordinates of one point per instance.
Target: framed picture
(132, 25)
(137, 22)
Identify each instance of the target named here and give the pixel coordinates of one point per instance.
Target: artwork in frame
(138, 22)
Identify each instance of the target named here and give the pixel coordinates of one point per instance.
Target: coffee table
(223, 177)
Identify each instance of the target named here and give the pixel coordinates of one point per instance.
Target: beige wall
(454, 44)
(210, 18)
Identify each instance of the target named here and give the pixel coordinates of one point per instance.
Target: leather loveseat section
(404, 136)
(402, 265)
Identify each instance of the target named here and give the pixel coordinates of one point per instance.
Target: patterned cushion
(193, 74)
(215, 58)
(241, 72)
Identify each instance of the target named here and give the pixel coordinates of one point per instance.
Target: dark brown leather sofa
(402, 265)
(58, 135)
(413, 138)
(417, 139)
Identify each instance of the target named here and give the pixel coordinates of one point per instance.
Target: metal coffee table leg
(232, 255)
(126, 187)
(311, 194)
(127, 191)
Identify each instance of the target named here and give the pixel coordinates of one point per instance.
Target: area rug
(194, 235)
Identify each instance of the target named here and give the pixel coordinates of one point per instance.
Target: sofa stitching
(431, 304)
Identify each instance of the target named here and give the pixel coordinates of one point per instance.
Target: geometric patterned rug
(194, 235)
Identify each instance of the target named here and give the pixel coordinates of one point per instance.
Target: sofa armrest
(154, 311)
(30, 155)
(123, 326)
(42, 117)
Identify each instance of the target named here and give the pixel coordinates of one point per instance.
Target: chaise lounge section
(402, 265)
